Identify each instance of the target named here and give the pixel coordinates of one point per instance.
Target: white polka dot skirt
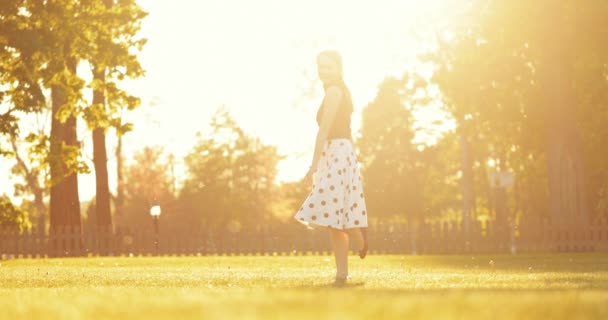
(337, 198)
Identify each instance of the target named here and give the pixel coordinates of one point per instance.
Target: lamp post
(155, 213)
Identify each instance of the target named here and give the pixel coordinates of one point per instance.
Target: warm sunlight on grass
(565, 286)
(158, 159)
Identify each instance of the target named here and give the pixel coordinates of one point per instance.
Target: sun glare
(251, 57)
(257, 58)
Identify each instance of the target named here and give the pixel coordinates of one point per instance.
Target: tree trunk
(40, 210)
(568, 198)
(120, 183)
(64, 201)
(100, 160)
(103, 213)
(467, 182)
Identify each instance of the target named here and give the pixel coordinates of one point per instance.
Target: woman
(336, 201)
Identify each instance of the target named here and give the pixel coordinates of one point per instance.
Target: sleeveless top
(340, 127)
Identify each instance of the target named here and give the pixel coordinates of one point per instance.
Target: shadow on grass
(442, 291)
(330, 285)
(542, 262)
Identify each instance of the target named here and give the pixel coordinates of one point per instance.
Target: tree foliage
(230, 176)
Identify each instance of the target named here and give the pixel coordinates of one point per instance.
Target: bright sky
(256, 58)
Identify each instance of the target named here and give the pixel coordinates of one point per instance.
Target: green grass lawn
(560, 286)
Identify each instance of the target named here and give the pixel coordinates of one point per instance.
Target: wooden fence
(294, 239)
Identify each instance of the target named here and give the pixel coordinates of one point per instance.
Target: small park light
(155, 211)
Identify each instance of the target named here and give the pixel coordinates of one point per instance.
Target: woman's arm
(329, 110)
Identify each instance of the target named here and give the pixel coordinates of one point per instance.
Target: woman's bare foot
(341, 280)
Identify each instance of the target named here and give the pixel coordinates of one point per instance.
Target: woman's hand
(309, 175)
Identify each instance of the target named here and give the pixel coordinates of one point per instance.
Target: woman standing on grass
(336, 201)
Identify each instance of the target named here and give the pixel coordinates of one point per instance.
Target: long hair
(337, 58)
(334, 56)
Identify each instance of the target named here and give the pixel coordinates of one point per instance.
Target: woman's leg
(357, 236)
(339, 241)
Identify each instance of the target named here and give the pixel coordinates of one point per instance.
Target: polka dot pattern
(336, 189)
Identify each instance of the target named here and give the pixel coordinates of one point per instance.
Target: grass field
(560, 286)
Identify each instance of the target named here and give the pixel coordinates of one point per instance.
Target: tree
(12, 216)
(34, 170)
(115, 26)
(20, 60)
(62, 51)
(387, 154)
(41, 44)
(523, 93)
(148, 183)
(230, 177)
(121, 129)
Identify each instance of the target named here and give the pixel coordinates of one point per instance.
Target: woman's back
(340, 128)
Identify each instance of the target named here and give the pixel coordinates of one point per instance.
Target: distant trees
(388, 154)
(404, 179)
(230, 177)
(528, 97)
(229, 183)
(149, 183)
